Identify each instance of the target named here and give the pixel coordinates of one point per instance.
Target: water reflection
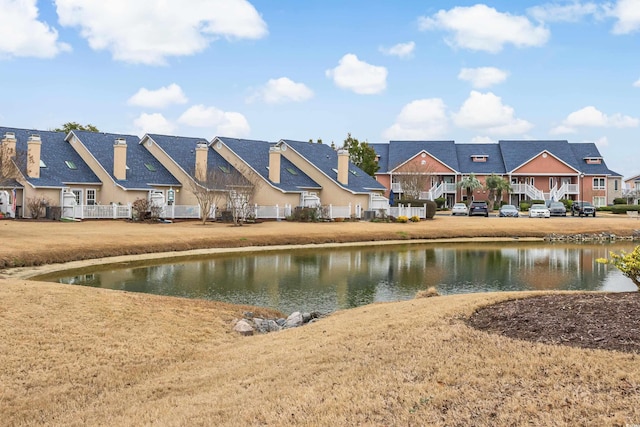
(327, 280)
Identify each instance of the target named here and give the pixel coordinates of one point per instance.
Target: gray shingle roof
(100, 145)
(589, 150)
(183, 151)
(256, 154)
(401, 151)
(516, 153)
(382, 150)
(493, 164)
(54, 152)
(325, 159)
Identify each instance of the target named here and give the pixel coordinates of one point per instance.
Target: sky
(380, 70)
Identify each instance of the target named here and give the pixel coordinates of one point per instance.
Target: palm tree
(496, 185)
(470, 183)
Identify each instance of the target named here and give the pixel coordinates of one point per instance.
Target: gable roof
(400, 152)
(256, 154)
(494, 162)
(54, 153)
(139, 177)
(517, 153)
(182, 150)
(325, 159)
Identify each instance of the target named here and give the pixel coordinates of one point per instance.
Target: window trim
(599, 184)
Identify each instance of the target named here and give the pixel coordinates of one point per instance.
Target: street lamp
(582, 186)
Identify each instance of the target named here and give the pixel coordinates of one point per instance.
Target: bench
(633, 214)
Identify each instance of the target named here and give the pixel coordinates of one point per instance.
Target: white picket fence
(276, 212)
(408, 211)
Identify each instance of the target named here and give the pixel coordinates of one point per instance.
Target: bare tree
(223, 185)
(414, 179)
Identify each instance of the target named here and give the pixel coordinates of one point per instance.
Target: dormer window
(150, 167)
(224, 169)
(479, 158)
(70, 165)
(593, 160)
(42, 164)
(292, 171)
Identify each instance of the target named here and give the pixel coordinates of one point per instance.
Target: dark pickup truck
(583, 209)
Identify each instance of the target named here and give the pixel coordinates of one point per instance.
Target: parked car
(583, 208)
(539, 211)
(508, 210)
(459, 209)
(479, 207)
(557, 209)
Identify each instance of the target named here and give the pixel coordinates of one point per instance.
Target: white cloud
(486, 111)
(636, 83)
(224, 123)
(602, 142)
(153, 123)
(401, 50)
(627, 12)
(592, 117)
(282, 90)
(358, 76)
(482, 139)
(483, 77)
(483, 28)
(22, 35)
(149, 31)
(159, 98)
(571, 12)
(419, 119)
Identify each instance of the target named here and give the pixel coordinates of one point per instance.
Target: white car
(459, 209)
(539, 211)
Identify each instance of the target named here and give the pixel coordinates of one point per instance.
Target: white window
(599, 201)
(598, 184)
(78, 194)
(91, 197)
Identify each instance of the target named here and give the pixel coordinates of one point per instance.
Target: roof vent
(120, 141)
(201, 144)
(34, 137)
(10, 135)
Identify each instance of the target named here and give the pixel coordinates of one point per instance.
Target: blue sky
(291, 69)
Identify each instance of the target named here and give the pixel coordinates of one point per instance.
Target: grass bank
(82, 356)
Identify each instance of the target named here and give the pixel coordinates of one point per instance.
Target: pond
(330, 279)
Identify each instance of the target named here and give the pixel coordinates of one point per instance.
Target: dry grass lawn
(83, 356)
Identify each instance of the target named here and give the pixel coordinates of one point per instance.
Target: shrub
(619, 201)
(143, 209)
(605, 209)
(37, 206)
(524, 207)
(303, 214)
(621, 209)
(537, 202)
(567, 203)
(627, 263)
(414, 218)
(402, 218)
(431, 209)
(440, 202)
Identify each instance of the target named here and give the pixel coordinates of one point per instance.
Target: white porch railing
(528, 190)
(396, 187)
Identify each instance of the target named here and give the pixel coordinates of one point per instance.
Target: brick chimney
(343, 167)
(34, 146)
(120, 159)
(9, 143)
(274, 164)
(202, 153)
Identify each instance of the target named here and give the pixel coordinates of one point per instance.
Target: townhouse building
(536, 170)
